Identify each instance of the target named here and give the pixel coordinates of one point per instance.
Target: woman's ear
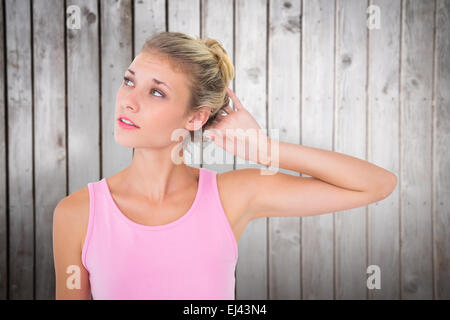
(198, 118)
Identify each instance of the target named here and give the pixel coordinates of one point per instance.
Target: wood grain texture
(149, 18)
(20, 149)
(3, 171)
(415, 149)
(49, 133)
(441, 164)
(83, 96)
(383, 145)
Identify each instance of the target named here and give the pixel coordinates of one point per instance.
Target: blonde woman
(160, 229)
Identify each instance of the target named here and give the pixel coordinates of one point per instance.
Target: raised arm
(338, 181)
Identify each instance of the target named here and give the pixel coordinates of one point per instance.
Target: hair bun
(223, 60)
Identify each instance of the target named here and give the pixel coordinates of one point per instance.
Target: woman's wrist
(264, 151)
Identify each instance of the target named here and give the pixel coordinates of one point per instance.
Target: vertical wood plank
(83, 96)
(3, 167)
(441, 164)
(383, 143)
(251, 77)
(116, 56)
(149, 18)
(415, 144)
(317, 130)
(49, 115)
(284, 114)
(20, 149)
(350, 138)
(184, 16)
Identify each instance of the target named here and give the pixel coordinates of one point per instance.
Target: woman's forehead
(154, 67)
(148, 66)
(145, 63)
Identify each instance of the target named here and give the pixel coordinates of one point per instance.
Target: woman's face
(157, 109)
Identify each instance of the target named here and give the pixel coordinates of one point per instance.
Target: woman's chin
(125, 141)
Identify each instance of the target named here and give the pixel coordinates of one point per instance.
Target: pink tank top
(191, 258)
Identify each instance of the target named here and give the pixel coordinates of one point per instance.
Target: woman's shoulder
(240, 177)
(235, 190)
(75, 201)
(72, 213)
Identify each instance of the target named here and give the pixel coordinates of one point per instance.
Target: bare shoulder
(236, 188)
(238, 181)
(73, 212)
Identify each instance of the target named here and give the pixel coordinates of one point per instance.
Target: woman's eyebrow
(154, 79)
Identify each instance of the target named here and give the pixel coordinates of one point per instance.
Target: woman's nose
(130, 101)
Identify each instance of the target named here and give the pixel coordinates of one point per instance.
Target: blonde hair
(206, 64)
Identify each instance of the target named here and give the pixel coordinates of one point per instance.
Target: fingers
(228, 109)
(237, 104)
(225, 111)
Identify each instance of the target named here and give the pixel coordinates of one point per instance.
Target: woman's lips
(124, 117)
(123, 125)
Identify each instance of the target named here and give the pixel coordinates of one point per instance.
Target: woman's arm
(338, 181)
(69, 270)
(335, 168)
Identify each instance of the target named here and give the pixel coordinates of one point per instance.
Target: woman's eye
(161, 95)
(125, 80)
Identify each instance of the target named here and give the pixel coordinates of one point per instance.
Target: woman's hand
(238, 133)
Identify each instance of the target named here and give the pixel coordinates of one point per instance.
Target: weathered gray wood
(250, 84)
(3, 163)
(20, 149)
(350, 138)
(284, 114)
(383, 144)
(149, 18)
(116, 56)
(317, 130)
(441, 163)
(184, 16)
(415, 149)
(49, 133)
(83, 97)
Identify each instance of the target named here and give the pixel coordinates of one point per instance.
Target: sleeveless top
(191, 258)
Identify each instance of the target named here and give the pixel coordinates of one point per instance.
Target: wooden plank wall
(313, 71)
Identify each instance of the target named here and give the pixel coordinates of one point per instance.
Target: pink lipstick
(126, 123)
